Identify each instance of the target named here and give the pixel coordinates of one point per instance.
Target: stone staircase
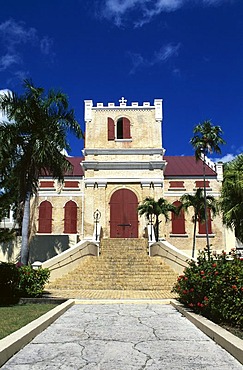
(123, 265)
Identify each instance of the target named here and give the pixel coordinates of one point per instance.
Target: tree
(207, 139)
(197, 202)
(231, 199)
(150, 207)
(31, 142)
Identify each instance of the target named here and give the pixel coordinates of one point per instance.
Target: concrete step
(123, 264)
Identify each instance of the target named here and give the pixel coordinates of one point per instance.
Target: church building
(123, 163)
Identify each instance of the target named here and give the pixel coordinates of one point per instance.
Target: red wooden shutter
(126, 128)
(111, 129)
(202, 225)
(200, 184)
(46, 184)
(45, 218)
(176, 184)
(178, 221)
(70, 218)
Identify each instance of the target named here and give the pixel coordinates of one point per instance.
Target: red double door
(123, 214)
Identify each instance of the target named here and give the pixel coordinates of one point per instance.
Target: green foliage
(231, 200)
(214, 288)
(31, 143)
(21, 281)
(197, 201)
(9, 283)
(207, 139)
(151, 207)
(32, 281)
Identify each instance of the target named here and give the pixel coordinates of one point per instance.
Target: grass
(15, 317)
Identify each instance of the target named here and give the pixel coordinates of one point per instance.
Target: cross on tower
(122, 101)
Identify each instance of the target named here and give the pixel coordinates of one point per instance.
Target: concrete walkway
(122, 336)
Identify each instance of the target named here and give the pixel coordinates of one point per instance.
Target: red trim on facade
(46, 184)
(111, 129)
(45, 218)
(71, 184)
(126, 128)
(202, 225)
(200, 184)
(176, 184)
(178, 221)
(70, 218)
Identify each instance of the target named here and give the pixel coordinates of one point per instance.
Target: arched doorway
(123, 214)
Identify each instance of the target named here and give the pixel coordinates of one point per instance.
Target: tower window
(120, 130)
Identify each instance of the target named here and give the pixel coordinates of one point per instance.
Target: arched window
(119, 131)
(45, 218)
(202, 225)
(178, 221)
(70, 218)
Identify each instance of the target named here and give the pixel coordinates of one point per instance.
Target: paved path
(116, 336)
(112, 294)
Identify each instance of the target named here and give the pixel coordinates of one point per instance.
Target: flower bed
(213, 287)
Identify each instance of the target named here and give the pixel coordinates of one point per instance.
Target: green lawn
(15, 317)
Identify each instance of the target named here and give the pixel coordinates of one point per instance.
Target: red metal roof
(185, 166)
(77, 169)
(177, 166)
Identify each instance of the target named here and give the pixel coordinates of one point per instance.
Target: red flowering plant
(32, 282)
(213, 287)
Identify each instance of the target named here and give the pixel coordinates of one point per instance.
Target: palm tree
(150, 207)
(31, 143)
(231, 199)
(207, 139)
(197, 202)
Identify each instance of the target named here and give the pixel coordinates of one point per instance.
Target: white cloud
(166, 52)
(144, 10)
(18, 76)
(137, 60)
(8, 60)
(46, 45)
(227, 158)
(13, 35)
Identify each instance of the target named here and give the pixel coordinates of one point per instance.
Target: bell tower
(123, 150)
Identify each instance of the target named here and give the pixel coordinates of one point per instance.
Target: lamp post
(97, 215)
(151, 219)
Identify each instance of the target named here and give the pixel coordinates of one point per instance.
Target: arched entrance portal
(123, 214)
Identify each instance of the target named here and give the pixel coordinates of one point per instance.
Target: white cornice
(144, 182)
(123, 165)
(158, 151)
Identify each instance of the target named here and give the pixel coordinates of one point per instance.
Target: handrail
(174, 257)
(70, 258)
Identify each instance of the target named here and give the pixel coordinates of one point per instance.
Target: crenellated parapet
(157, 107)
(217, 167)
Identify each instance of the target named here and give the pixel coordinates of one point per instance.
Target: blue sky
(187, 52)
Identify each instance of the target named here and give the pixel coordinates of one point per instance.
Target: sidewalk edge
(17, 340)
(224, 338)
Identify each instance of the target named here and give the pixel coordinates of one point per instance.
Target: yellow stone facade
(135, 163)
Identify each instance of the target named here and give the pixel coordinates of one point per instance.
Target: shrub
(213, 287)
(9, 283)
(32, 282)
